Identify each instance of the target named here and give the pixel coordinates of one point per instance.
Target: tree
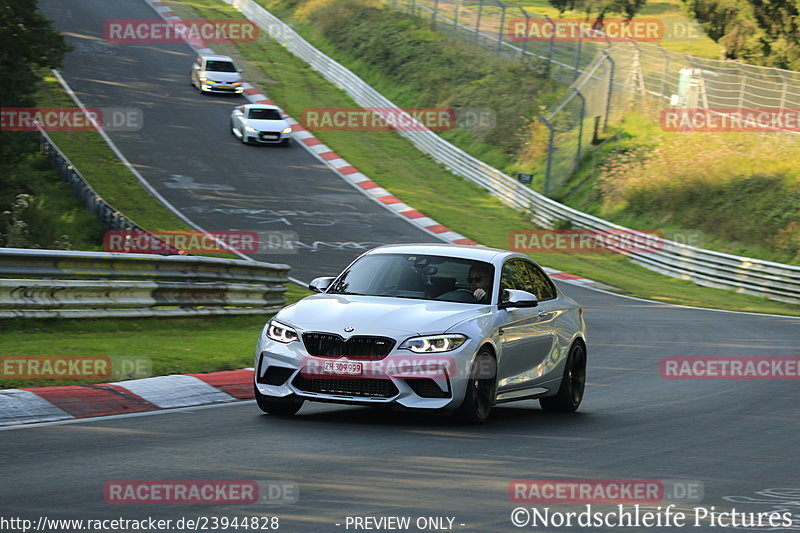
(599, 8)
(27, 42)
(756, 31)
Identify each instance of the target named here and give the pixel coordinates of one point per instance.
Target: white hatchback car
(260, 124)
(216, 74)
(428, 327)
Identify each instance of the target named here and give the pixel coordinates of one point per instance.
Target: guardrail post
(455, 18)
(433, 14)
(550, 148)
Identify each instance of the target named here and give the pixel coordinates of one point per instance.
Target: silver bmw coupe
(427, 327)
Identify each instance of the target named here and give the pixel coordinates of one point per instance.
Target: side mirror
(518, 298)
(320, 284)
(239, 70)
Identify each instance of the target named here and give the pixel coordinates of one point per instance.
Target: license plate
(270, 136)
(343, 368)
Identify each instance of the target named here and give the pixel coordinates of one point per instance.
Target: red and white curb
(50, 404)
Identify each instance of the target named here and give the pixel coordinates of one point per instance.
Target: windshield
(220, 66)
(425, 277)
(264, 114)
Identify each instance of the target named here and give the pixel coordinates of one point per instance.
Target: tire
(570, 393)
(286, 406)
(286, 143)
(481, 390)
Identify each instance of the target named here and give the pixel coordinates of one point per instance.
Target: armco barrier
(95, 203)
(775, 281)
(52, 283)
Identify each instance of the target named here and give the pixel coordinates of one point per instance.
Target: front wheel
(570, 393)
(272, 405)
(481, 390)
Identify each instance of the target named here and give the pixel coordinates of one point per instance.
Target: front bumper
(268, 137)
(221, 88)
(416, 381)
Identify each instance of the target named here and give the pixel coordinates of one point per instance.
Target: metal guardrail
(95, 203)
(775, 281)
(54, 283)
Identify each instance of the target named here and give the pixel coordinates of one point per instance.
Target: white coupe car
(260, 124)
(429, 327)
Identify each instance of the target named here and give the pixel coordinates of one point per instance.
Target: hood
(221, 76)
(266, 125)
(376, 315)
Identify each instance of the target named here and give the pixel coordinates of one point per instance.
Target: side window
(542, 286)
(515, 276)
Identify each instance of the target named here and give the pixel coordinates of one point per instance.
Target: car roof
(461, 251)
(216, 58)
(248, 107)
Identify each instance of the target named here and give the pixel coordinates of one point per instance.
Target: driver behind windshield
(480, 282)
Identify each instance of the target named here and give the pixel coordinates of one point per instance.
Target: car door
(527, 333)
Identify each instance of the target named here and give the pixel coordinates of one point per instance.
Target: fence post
(502, 27)
(784, 88)
(743, 86)
(455, 18)
(550, 147)
(665, 71)
(433, 14)
(552, 41)
(578, 58)
(525, 39)
(478, 23)
(580, 129)
(610, 89)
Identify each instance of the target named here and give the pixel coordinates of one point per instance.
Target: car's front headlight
(433, 343)
(287, 130)
(281, 332)
(250, 130)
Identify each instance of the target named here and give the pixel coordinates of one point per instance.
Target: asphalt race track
(738, 438)
(186, 151)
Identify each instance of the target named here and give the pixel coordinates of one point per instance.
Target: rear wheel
(570, 393)
(481, 390)
(288, 405)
